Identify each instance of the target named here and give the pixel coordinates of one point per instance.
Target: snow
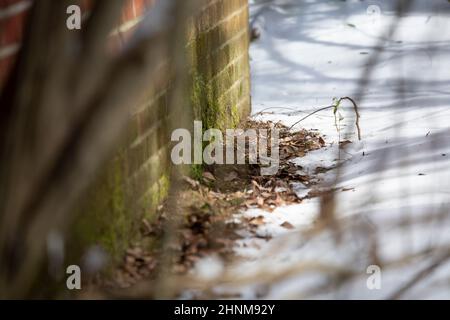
(308, 53)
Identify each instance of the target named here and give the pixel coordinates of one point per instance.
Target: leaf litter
(209, 205)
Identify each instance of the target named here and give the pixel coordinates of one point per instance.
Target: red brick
(139, 7)
(128, 11)
(12, 29)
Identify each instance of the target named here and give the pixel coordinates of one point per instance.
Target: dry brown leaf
(260, 201)
(344, 143)
(208, 176)
(257, 221)
(287, 225)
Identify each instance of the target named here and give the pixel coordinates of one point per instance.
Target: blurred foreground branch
(62, 112)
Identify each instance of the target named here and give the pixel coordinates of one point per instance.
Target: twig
(355, 107)
(293, 112)
(310, 114)
(428, 270)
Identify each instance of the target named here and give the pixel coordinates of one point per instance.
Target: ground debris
(208, 205)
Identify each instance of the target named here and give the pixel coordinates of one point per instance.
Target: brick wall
(13, 14)
(218, 47)
(136, 180)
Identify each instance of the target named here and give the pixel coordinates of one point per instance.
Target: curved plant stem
(355, 107)
(310, 114)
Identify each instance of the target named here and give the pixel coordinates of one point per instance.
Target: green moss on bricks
(212, 102)
(104, 219)
(116, 204)
(154, 197)
(209, 105)
(235, 116)
(117, 230)
(197, 94)
(111, 216)
(215, 100)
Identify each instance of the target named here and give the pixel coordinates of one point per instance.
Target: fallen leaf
(208, 176)
(260, 201)
(342, 144)
(287, 225)
(321, 141)
(257, 221)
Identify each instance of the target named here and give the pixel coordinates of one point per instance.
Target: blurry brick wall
(136, 179)
(13, 14)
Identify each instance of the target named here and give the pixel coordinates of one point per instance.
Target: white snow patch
(310, 52)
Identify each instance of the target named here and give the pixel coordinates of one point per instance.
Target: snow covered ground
(396, 180)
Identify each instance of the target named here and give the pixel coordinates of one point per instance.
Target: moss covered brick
(136, 180)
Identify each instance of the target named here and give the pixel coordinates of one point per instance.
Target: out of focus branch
(60, 130)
